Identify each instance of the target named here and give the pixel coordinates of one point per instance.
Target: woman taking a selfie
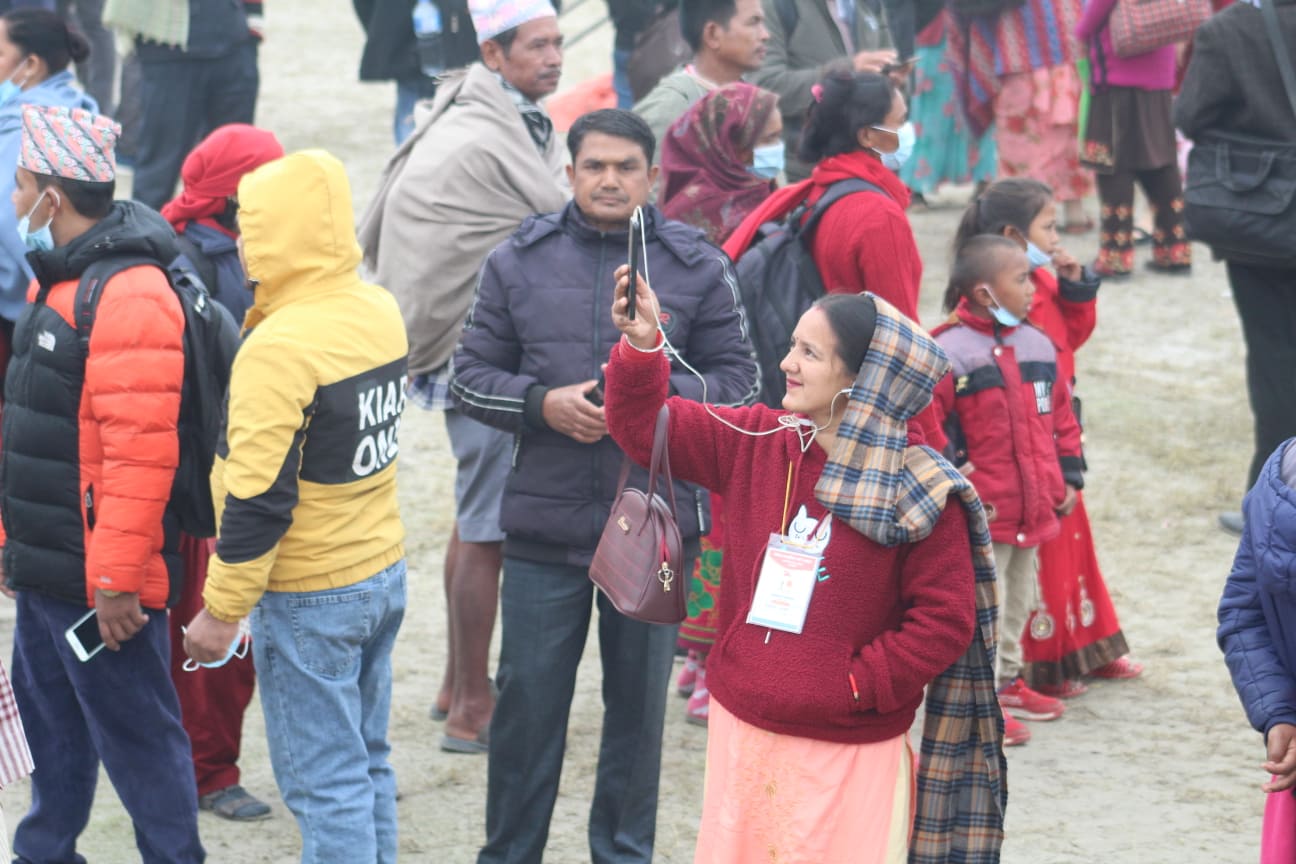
(847, 592)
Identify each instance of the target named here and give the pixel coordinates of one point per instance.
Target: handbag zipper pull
(666, 575)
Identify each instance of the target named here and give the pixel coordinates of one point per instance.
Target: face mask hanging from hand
(40, 240)
(768, 161)
(907, 137)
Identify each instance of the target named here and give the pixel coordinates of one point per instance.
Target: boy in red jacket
(1013, 432)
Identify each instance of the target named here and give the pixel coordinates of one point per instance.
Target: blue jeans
(407, 96)
(119, 708)
(621, 80)
(545, 610)
(323, 662)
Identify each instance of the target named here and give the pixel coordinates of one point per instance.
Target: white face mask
(907, 137)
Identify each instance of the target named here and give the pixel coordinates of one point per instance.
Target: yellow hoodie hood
(298, 229)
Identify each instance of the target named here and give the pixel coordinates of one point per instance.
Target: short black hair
(977, 262)
(614, 122)
(91, 200)
(853, 318)
(694, 15)
(47, 36)
(847, 103)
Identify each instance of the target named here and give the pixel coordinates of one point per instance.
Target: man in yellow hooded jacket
(310, 544)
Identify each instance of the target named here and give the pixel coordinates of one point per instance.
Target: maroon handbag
(638, 560)
(1140, 26)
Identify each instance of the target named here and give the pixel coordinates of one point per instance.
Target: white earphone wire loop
(787, 422)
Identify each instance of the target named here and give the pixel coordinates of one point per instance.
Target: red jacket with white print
(1005, 412)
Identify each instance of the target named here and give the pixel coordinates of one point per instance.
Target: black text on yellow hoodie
(305, 478)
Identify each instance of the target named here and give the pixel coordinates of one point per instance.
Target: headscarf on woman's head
(893, 491)
(211, 172)
(703, 181)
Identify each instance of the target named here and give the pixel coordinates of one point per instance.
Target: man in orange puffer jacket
(88, 458)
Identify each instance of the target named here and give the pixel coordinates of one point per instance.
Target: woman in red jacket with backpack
(857, 128)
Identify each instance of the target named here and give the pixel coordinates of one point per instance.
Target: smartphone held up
(635, 253)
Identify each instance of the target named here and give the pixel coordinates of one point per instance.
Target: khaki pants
(1017, 569)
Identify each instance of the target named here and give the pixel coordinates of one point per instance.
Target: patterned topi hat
(68, 142)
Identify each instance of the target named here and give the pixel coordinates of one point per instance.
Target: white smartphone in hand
(84, 637)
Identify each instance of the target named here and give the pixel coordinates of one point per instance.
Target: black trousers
(182, 101)
(1266, 303)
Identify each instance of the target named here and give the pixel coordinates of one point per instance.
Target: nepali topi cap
(68, 142)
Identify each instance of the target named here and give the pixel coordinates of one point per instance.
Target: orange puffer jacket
(90, 450)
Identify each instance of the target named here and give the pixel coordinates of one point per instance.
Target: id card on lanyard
(787, 576)
(784, 586)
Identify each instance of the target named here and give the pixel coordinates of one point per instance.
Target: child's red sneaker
(1068, 689)
(1121, 668)
(1023, 702)
(1015, 731)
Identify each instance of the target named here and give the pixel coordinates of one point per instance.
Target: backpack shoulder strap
(835, 193)
(788, 16)
(1280, 51)
(90, 290)
(203, 266)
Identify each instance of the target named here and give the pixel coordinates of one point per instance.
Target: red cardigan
(891, 618)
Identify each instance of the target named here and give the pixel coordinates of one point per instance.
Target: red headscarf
(703, 181)
(211, 172)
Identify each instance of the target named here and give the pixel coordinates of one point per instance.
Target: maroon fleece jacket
(883, 622)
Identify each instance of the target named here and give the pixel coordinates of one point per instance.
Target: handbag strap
(1280, 51)
(661, 457)
(660, 463)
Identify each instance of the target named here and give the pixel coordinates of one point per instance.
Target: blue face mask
(1002, 315)
(906, 136)
(767, 161)
(40, 240)
(238, 648)
(9, 89)
(1037, 256)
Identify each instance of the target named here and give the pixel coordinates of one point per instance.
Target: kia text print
(363, 418)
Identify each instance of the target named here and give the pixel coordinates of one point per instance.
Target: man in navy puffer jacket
(529, 361)
(1257, 614)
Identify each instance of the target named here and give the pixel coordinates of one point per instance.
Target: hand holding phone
(84, 636)
(636, 251)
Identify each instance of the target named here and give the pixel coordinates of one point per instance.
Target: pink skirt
(788, 800)
(1036, 130)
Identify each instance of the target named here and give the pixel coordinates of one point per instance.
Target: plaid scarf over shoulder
(893, 493)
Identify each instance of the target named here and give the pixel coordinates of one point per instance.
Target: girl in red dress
(1074, 633)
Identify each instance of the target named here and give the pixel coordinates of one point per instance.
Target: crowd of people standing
(921, 488)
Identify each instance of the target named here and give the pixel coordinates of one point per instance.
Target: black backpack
(779, 281)
(211, 338)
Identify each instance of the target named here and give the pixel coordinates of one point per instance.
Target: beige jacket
(459, 185)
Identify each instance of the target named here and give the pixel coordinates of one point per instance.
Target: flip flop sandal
(235, 803)
(437, 714)
(1079, 227)
(1141, 237)
(469, 746)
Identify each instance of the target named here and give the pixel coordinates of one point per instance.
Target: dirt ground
(1163, 769)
